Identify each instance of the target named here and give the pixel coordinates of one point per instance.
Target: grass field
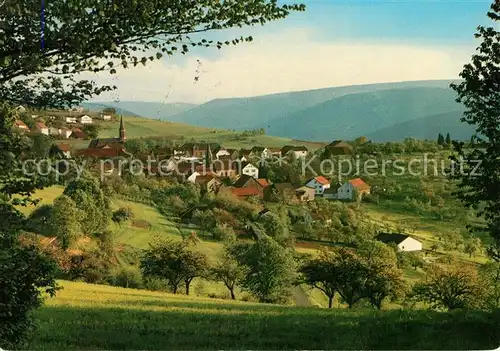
(137, 127)
(91, 317)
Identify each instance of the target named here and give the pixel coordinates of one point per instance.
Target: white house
(65, 132)
(349, 189)
(192, 177)
(85, 119)
(42, 128)
(403, 242)
(295, 151)
(319, 183)
(78, 109)
(21, 108)
(55, 131)
(106, 117)
(70, 119)
(250, 170)
(222, 152)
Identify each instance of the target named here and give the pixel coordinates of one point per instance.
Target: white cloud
(286, 61)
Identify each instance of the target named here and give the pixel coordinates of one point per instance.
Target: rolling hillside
(353, 115)
(96, 317)
(257, 112)
(426, 128)
(154, 110)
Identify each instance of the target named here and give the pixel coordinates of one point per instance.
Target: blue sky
(332, 43)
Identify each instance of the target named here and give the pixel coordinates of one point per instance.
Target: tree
(448, 287)
(91, 130)
(275, 226)
(204, 219)
(473, 245)
(26, 273)
(65, 219)
(489, 274)
(270, 269)
(109, 110)
(440, 140)
(121, 215)
(173, 261)
(411, 259)
(321, 273)
(84, 36)
(224, 233)
(41, 145)
(228, 271)
(90, 199)
(479, 92)
(448, 139)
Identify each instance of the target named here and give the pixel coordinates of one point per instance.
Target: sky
(332, 43)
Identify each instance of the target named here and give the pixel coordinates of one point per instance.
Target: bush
(121, 215)
(223, 232)
(129, 277)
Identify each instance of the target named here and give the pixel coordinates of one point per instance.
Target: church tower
(123, 138)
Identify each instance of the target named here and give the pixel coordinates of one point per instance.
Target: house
(244, 193)
(208, 183)
(263, 182)
(220, 152)
(21, 125)
(294, 151)
(249, 169)
(305, 193)
(273, 152)
(246, 181)
(225, 168)
(110, 142)
(42, 128)
(65, 132)
(319, 183)
(332, 192)
(64, 150)
(338, 147)
(77, 133)
(403, 242)
(102, 153)
(70, 119)
(349, 189)
(245, 155)
(34, 116)
(192, 177)
(261, 152)
(198, 150)
(55, 131)
(106, 117)
(85, 119)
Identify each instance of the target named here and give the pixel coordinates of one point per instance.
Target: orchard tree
(479, 92)
(25, 272)
(228, 271)
(321, 273)
(490, 278)
(270, 269)
(65, 219)
(90, 199)
(40, 68)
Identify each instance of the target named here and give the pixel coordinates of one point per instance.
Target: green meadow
(90, 317)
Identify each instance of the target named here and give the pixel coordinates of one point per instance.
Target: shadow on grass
(116, 328)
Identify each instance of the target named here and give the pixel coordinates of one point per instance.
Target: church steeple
(208, 158)
(123, 137)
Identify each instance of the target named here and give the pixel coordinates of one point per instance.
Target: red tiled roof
(64, 147)
(244, 192)
(20, 124)
(322, 180)
(101, 153)
(263, 182)
(359, 183)
(41, 125)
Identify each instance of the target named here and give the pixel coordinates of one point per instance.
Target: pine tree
(448, 139)
(440, 139)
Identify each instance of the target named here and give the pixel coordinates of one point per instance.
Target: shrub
(129, 277)
(121, 215)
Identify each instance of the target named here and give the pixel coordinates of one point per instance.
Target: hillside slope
(153, 110)
(353, 115)
(92, 317)
(256, 112)
(426, 128)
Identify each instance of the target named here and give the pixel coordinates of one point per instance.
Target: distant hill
(99, 106)
(257, 112)
(353, 115)
(153, 110)
(426, 128)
